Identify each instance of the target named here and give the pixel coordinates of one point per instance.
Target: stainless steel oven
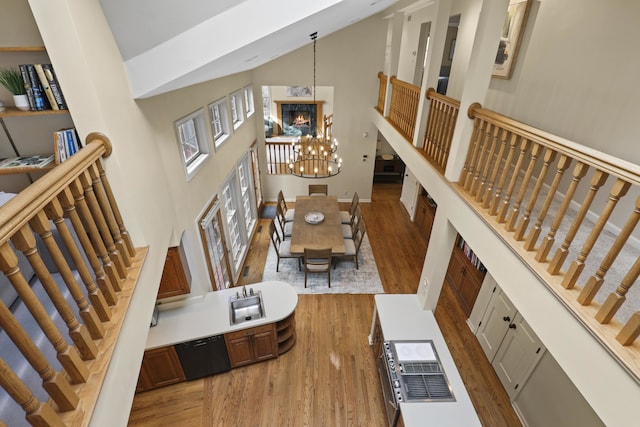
(387, 378)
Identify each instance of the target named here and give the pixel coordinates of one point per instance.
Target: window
(246, 192)
(219, 114)
(214, 244)
(248, 101)
(237, 115)
(235, 220)
(193, 142)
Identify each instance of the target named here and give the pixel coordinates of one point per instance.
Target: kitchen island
(210, 316)
(401, 317)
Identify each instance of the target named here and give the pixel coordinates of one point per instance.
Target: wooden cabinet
(160, 367)
(176, 277)
(425, 213)
(465, 275)
(286, 331)
(252, 345)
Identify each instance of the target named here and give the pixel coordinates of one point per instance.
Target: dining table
(317, 225)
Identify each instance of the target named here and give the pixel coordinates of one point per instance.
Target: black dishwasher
(203, 357)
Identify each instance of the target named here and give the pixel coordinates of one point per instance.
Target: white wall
(346, 60)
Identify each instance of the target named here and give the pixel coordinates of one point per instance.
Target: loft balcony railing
(382, 92)
(441, 121)
(552, 200)
(403, 108)
(59, 334)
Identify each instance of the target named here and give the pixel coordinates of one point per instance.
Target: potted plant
(11, 79)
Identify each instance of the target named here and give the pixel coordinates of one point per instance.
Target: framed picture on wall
(511, 37)
(298, 91)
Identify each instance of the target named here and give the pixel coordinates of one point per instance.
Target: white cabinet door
(409, 194)
(518, 354)
(495, 323)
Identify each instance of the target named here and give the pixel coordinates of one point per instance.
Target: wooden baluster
(497, 163)
(427, 145)
(467, 169)
(101, 222)
(87, 311)
(482, 158)
(490, 163)
(36, 413)
(104, 282)
(440, 130)
(618, 191)
(124, 233)
(477, 146)
(597, 181)
(25, 241)
(66, 354)
(53, 382)
(109, 216)
(94, 236)
(506, 201)
(515, 211)
(579, 171)
(594, 283)
(534, 233)
(630, 331)
(549, 157)
(495, 201)
(615, 299)
(452, 117)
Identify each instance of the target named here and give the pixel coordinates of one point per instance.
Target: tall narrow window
(237, 115)
(219, 116)
(248, 101)
(214, 244)
(235, 221)
(246, 187)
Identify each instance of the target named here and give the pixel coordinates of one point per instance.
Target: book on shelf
(46, 87)
(55, 86)
(37, 161)
(39, 97)
(65, 143)
(27, 86)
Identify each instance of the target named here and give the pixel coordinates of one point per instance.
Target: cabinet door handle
(512, 326)
(506, 319)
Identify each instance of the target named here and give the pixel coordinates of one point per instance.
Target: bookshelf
(465, 274)
(27, 132)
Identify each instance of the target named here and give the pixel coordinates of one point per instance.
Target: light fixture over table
(316, 155)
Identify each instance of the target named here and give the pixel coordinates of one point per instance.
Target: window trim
(236, 105)
(224, 136)
(192, 166)
(250, 105)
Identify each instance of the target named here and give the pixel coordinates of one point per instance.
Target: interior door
(519, 353)
(495, 323)
(409, 194)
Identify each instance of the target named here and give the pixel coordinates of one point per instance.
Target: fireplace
(299, 117)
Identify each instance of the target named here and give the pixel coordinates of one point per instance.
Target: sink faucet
(244, 291)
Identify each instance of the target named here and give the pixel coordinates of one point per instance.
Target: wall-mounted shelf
(14, 112)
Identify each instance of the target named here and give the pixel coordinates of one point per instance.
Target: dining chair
(283, 248)
(286, 228)
(288, 213)
(348, 230)
(352, 246)
(318, 189)
(317, 261)
(347, 216)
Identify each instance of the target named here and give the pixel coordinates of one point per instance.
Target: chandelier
(315, 155)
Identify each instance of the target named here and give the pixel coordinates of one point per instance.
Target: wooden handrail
(403, 111)
(512, 176)
(73, 199)
(441, 120)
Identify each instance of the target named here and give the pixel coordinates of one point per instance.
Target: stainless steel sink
(244, 309)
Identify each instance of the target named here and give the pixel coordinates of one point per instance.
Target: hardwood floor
(329, 377)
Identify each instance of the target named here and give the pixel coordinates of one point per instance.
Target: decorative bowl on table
(314, 217)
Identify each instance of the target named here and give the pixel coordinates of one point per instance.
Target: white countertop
(403, 318)
(210, 316)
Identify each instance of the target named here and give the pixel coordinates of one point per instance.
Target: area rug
(345, 279)
(268, 212)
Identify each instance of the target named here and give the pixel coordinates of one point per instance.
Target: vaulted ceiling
(167, 45)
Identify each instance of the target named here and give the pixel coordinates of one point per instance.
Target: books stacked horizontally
(66, 143)
(37, 161)
(41, 85)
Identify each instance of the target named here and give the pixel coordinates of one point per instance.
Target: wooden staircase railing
(382, 92)
(74, 196)
(513, 176)
(441, 120)
(403, 110)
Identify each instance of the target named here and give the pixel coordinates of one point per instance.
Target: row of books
(471, 256)
(41, 85)
(66, 143)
